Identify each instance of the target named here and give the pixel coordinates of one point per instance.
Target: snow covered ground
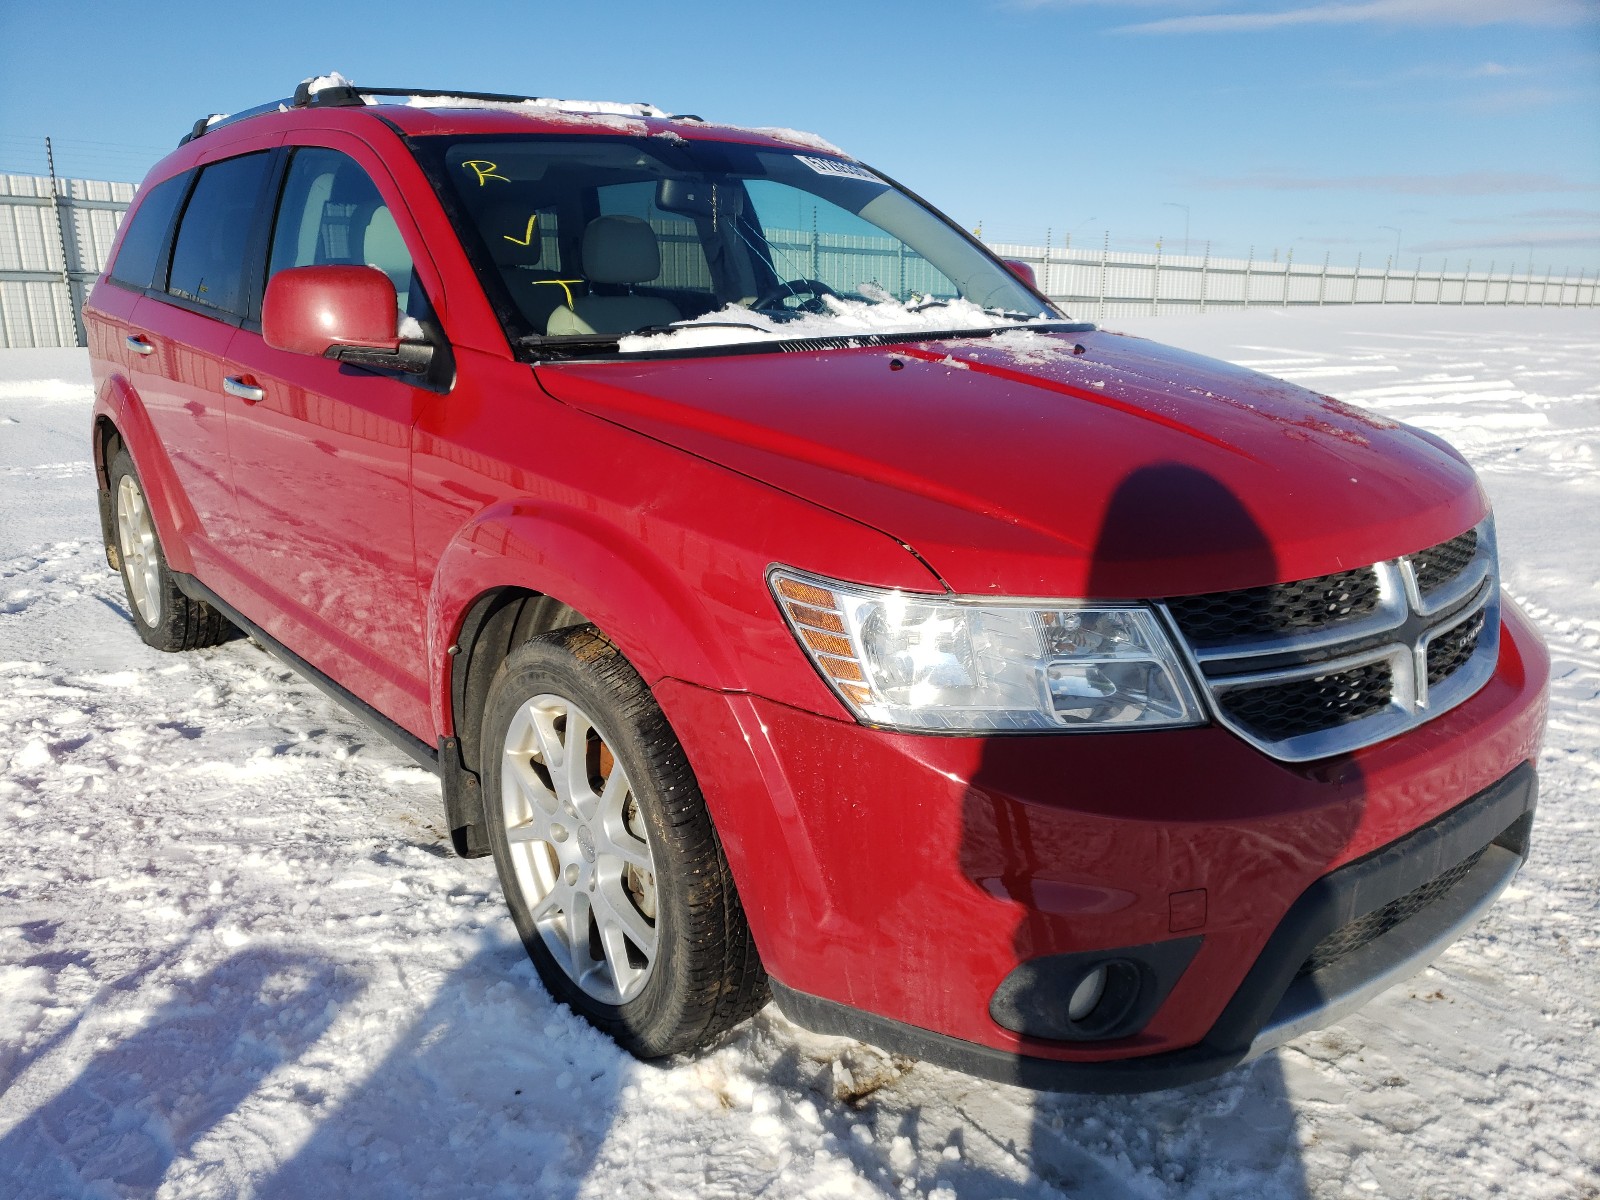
(237, 958)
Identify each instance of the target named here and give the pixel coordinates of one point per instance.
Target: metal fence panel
(42, 289)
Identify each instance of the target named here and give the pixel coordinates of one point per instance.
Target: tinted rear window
(147, 233)
(208, 257)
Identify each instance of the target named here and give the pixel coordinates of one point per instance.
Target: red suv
(795, 602)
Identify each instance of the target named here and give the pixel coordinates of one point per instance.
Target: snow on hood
(734, 325)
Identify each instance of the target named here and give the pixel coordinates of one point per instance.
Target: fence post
(1044, 273)
(1105, 254)
(58, 205)
(1248, 263)
(1288, 274)
(1155, 285)
(1488, 284)
(1465, 279)
(1322, 283)
(1355, 281)
(1205, 264)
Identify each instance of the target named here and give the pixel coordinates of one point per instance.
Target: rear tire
(607, 856)
(165, 617)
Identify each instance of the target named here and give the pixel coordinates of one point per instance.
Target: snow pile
(332, 79)
(238, 958)
(844, 318)
(609, 115)
(795, 137)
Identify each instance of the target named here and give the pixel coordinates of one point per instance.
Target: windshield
(656, 243)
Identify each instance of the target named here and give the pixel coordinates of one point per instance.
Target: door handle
(138, 345)
(248, 392)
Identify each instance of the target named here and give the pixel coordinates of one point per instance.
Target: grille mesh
(1438, 565)
(1276, 711)
(1217, 618)
(1449, 652)
(1351, 937)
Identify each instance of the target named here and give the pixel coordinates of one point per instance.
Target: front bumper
(894, 882)
(1276, 1002)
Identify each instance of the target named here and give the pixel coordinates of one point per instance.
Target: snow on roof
(540, 105)
(332, 79)
(602, 114)
(797, 137)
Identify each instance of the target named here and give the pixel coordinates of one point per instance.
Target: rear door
(321, 452)
(179, 334)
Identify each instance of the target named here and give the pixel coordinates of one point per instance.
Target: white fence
(52, 246)
(1095, 283)
(54, 242)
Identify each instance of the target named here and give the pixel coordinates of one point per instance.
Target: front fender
(174, 517)
(661, 627)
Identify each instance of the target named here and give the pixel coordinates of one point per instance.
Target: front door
(322, 462)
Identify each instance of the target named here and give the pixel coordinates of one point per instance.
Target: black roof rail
(348, 95)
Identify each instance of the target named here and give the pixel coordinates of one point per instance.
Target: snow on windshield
(845, 318)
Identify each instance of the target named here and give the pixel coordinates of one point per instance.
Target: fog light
(1093, 995)
(1086, 996)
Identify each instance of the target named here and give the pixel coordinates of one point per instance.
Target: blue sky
(1471, 127)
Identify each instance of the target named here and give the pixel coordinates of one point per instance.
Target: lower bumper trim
(1275, 1002)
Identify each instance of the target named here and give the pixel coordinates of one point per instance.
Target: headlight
(971, 665)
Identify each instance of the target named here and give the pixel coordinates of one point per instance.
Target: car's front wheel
(606, 853)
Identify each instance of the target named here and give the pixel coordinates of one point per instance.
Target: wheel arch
(119, 421)
(520, 570)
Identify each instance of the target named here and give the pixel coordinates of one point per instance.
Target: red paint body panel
(357, 518)
(1017, 467)
(908, 875)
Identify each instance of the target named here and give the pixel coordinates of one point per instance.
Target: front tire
(165, 617)
(607, 856)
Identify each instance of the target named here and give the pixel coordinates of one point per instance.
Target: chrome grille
(1449, 651)
(1438, 565)
(1217, 618)
(1327, 665)
(1275, 712)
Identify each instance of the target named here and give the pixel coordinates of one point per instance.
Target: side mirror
(1022, 271)
(347, 313)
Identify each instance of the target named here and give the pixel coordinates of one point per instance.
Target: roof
(423, 112)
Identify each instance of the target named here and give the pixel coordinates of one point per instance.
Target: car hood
(1038, 464)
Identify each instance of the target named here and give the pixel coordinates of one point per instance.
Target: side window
(208, 257)
(136, 265)
(683, 258)
(333, 213)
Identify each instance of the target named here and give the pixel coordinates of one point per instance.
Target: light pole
(1396, 233)
(1185, 207)
(1075, 229)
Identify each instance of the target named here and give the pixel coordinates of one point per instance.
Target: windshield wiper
(692, 323)
(571, 346)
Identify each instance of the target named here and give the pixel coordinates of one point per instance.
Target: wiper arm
(690, 323)
(1014, 314)
(566, 347)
